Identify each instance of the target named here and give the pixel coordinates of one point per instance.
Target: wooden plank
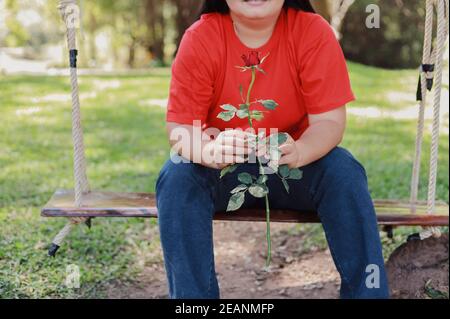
(109, 204)
(102, 204)
(419, 207)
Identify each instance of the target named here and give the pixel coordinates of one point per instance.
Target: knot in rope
(64, 5)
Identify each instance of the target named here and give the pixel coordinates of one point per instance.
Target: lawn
(126, 145)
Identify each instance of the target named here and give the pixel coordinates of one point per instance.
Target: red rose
(252, 59)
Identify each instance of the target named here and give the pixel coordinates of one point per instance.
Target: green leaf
(269, 104)
(258, 190)
(282, 138)
(262, 179)
(245, 178)
(243, 106)
(236, 201)
(228, 169)
(228, 107)
(284, 170)
(242, 114)
(277, 139)
(239, 188)
(226, 116)
(257, 115)
(286, 185)
(295, 173)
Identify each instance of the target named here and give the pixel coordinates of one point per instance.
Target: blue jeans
(335, 186)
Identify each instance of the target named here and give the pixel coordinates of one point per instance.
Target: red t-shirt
(306, 73)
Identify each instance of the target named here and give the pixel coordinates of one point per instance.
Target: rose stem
(261, 171)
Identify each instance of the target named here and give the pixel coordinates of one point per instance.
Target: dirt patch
(294, 272)
(240, 250)
(301, 268)
(420, 269)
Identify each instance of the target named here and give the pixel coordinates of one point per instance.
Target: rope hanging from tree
(70, 14)
(430, 75)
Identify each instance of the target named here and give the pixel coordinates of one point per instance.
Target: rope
(442, 21)
(427, 78)
(70, 14)
(426, 59)
(59, 238)
(81, 182)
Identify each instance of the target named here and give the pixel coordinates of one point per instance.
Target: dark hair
(221, 6)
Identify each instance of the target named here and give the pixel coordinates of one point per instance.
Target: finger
(236, 133)
(242, 151)
(226, 160)
(240, 159)
(221, 165)
(261, 151)
(286, 148)
(234, 141)
(289, 139)
(290, 160)
(232, 150)
(225, 149)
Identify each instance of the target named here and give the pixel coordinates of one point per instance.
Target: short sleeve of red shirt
(323, 71)
(191, 86)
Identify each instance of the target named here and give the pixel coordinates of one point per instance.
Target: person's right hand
(230, 147)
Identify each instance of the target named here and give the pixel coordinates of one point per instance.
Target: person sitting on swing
(306, 74)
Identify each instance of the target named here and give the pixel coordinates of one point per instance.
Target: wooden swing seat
(110, 204)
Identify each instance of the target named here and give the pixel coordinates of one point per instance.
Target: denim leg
(338, 187)
(186, 209)
(335, 186)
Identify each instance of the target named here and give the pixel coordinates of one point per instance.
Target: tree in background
(125, 21)
(156, 25)
(16, 34)
(398, 41)
(134, 25)
(334, 11)
(187, 12)
(141, 30)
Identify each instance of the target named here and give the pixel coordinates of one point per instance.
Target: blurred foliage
(140, 32)
(17, 35)
(144, 30)
(398, 41)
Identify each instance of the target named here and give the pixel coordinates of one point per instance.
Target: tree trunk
(187, 12)
(334, 11)
(339, 11)
(156, 26)
(92, 28)
(323, 8)
(131, 53)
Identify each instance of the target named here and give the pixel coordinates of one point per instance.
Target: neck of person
(254, 32)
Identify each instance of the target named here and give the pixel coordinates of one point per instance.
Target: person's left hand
(290, 153)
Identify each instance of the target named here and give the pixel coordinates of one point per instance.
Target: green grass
(386, 89)
(126, 146)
